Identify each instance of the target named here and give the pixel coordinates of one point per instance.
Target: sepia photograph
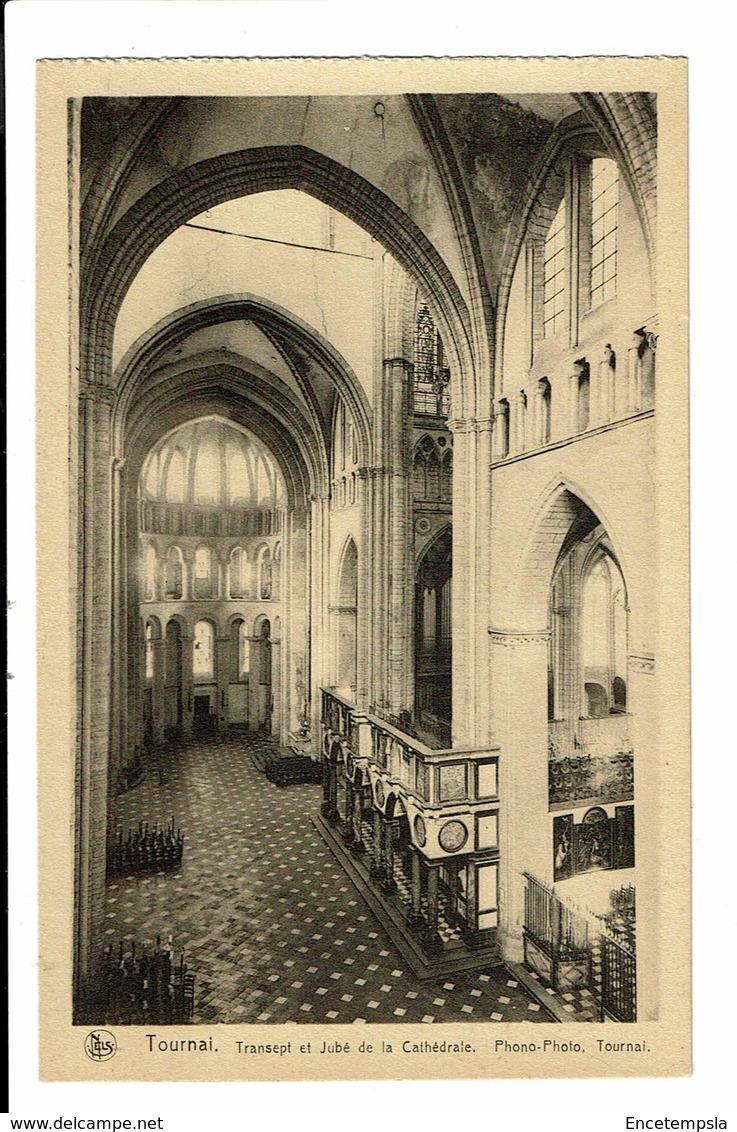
(365, 515)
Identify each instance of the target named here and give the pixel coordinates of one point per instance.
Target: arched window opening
(265, 574)
(173, 677)
(347, 620)
(238, 571)
(149, 650)
(210, 463)
(433, 476)
(203, 656)
(203, 573)
(604, 224)
(431, 374)
(149, 573)
(554, 274)
(173, 574)
(244, 652)
(588, 632)
(433, 634)
(446, 477)
(545, 395)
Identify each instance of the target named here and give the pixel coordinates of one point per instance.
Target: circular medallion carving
(453, 836)
(379, 792)
(422, 525)
(420, 830)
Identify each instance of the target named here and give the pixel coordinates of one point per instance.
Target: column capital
(644, 339)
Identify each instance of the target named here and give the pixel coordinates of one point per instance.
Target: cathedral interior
(365, 558)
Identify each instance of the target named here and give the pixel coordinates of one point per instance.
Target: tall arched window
(173, 574)
(604, 225)
(431, 373)
(265, 591)
(604, 637)
(244, 652)
(347, 619)
(446, 477)
(238, 572)
(149, 573)
(149, 649)
(203, 656)
(433, 628)
(554, 273)
(203, 573)
(588, 644)
(544, 405)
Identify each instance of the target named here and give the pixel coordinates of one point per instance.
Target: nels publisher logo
(100, 1045)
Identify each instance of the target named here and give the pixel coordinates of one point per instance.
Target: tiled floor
(579, 1003)
(267, 918)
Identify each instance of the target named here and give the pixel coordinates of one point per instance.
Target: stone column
(579, 369)
(519, 663)
(634, 373)
(606, 403)
(95, 595)
(520, 422)
(325, 807)
(222, 677)
(348, 832)
(472, 722)
(377, 856)
(398, 528)
(157, 692)
(471, 927)
(357, 845)
(187, 685)
(315, 634)
(333, 814)
(431, 939)
(388, 882)
(415, 919)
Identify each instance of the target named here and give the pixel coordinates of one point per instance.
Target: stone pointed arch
(552, 516)
(293, 336)
(210, 182)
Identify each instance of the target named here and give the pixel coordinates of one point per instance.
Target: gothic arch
(293, 337)
(210, 182)
(553, 517)
(233, 393)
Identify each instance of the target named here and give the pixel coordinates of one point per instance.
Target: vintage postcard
(363, 723)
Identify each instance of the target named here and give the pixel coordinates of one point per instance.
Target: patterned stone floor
(267, 918)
